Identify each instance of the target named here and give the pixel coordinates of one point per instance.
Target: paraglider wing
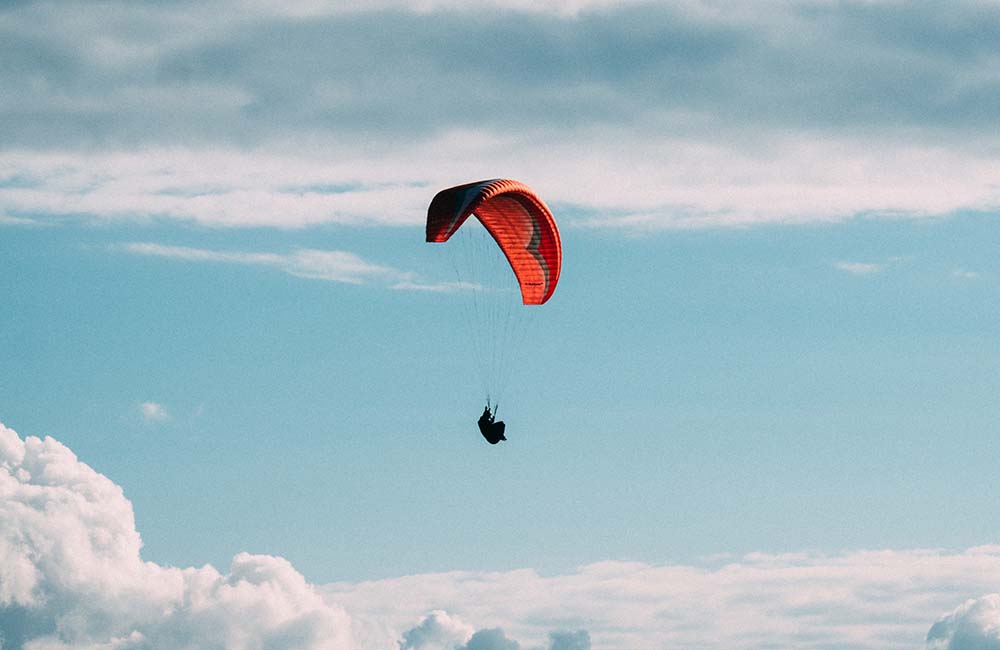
(517, 219)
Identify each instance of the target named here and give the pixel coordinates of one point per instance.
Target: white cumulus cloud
(974, 625)
(71, 575)
(491, 639)
(437, 631)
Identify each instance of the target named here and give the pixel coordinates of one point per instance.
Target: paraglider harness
(489, 427)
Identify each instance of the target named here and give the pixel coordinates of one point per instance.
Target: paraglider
(521, 227)
(517, 219)
(490, 428)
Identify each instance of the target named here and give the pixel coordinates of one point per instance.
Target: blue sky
(774, 334)
(754, 380)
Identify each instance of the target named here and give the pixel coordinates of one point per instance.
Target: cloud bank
(861, 600)
(636, 115)
(71, 577)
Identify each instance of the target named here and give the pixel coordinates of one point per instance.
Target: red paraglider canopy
(519, 222)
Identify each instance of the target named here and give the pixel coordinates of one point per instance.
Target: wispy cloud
(333, 266)
(964, 274)
(17, 221)
(859, 268)
(328, 265)
(437, 287)
(154, 412)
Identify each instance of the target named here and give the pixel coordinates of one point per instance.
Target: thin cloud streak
(17, 221)
(333, 266)
(859, 268)
(328, 265)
